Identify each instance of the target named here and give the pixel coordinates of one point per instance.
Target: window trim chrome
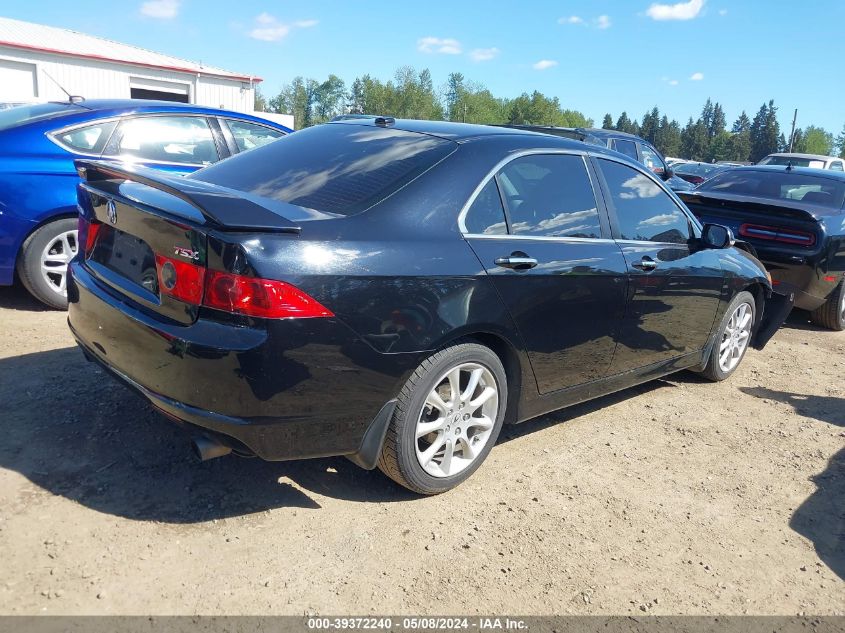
(501, 165)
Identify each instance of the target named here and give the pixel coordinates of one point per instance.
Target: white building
(36, 59)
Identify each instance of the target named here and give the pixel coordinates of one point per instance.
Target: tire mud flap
(776, 309)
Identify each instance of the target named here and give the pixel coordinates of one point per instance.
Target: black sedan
(793, 217)
(395, 291)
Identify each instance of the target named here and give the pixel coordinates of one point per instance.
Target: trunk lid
(144, 234)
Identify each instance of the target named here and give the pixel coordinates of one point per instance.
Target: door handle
(646, 263)
(516, 262)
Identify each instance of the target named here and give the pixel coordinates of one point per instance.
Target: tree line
(708, 138)
(411, 94)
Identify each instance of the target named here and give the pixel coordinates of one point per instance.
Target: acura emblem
(112, 211)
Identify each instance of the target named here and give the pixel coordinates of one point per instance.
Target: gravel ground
(676, 497)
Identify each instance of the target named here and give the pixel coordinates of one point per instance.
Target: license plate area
(128, 256)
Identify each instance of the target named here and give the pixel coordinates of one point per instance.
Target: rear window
(333, 168)
(778, 186)
(22, 114)
(794, 161)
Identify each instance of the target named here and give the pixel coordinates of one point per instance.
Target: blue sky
(597, 56)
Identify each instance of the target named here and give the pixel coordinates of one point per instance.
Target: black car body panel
(810, 270)
(400, 279)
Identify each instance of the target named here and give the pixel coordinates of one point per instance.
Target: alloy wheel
(456, 420)
(735, 337)
(55, 258)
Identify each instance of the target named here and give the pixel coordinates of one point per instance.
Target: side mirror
(668, 174)
(717, 236)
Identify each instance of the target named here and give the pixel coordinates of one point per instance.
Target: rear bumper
(811, 285)
(285, 389)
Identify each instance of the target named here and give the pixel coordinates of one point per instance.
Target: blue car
(38, 144)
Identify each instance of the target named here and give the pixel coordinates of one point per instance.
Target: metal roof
(50, 39)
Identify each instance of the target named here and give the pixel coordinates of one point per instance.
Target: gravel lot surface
(676, 497)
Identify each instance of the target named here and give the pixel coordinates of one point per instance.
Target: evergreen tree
(623, 123)
(706, 119)
(718, 122)
(651, 125)
(765, 132)
(741, 138)
(607, 123)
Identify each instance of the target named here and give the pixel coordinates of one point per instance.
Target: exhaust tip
(206, 448)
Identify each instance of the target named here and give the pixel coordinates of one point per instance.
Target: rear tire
(832, 314)
(440, 434)
(43, 260)
(732, 338)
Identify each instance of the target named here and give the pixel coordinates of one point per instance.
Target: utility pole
(792, 134)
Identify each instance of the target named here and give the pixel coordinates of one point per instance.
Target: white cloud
(723, 11)
(679, 11)
(545, 64)
(572, 19)
(268, 28)
(696, 77)
(483, 54)
(603, 21)
(444, 46)
(673, 82)
(161, 9)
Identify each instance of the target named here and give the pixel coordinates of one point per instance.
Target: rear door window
(166, 139)
(341, 168)
(550, 195)
(644, 211)
(486, 216)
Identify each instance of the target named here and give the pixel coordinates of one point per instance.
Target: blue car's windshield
(28, 113)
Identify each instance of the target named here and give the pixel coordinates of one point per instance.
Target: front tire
(832, 314)
(732, 338)
(42, 264)
(447, 419)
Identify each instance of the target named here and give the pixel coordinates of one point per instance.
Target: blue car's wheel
(42, 264)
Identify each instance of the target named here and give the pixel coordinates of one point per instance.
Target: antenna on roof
(71, 98)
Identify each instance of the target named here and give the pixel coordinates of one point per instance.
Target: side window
(836, 166)
(169, 139)
(90, 139)
(628, 148)
(486, 216)
(250, 135)
(644, 211)
(551, 196)
(652, 160)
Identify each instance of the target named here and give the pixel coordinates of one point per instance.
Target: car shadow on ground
(74, 431)
(17, 298)
(824, 408)
(821, 518)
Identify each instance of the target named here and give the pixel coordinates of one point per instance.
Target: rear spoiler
(221, 207)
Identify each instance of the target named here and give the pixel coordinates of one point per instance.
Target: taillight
(87, 234)
(777, 234)
(180, 280)
(696, 180)
(259, 297)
